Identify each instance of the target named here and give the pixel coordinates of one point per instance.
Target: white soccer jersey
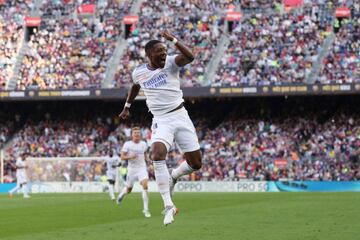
(112, 162)
(20, 171)
(161, 86)
(139, 149)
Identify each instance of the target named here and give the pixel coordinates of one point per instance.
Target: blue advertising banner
(240, 186)
(6, 187)
(313, 186)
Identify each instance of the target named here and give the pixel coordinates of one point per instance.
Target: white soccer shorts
(176, 126)
(136, 174)
(21, 178)
(111, 175)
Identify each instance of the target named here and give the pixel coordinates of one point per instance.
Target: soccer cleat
(172, 183)
(118, 200)
(170, 212)
(26, 196)
(146, 213)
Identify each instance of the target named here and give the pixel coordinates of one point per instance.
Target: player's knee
(196, 165)
(145, 186)
(158, 155)
(194, 159)
(129, 189)
(158, 151)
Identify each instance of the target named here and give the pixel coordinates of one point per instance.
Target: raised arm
(186, 56)
(133, 92)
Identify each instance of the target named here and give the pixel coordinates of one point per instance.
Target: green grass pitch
(203, 216)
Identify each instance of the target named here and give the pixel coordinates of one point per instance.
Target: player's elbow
(191, 58)
(196, 165)
(135, 87)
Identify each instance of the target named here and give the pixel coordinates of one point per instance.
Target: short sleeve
(145, 146)
(125, 148)
(170, 61)
(19, 163)
(134, 77)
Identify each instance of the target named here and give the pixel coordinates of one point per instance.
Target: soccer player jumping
(160, 81)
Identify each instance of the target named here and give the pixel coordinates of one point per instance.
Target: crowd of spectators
(236, 148)
(259, 5)
(300, 149)
(56, 139)
(273, 48)
(61, 139)
(270, 45)
(66, 170)
(342, 65)
(11, 28)
(72, 51)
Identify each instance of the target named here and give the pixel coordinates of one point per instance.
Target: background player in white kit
(135, 152)
(21, 177)
(160, 82)
(112, 164)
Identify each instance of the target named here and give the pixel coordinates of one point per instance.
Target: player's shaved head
(150, 44)
(156, 52)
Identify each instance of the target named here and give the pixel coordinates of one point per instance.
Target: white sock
(162, 180)
(123, 193)
(111, 191)
(14, 189)
(145, 197)
(181, 170)
(25, 189)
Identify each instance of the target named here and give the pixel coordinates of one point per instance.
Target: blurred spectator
(6, 130)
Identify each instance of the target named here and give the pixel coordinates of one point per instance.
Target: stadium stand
(65, 138)
(269, 46)
(342, 65)
(70, 50)
(11, 28)
(272, 48)
(245, 143)
(258, 5)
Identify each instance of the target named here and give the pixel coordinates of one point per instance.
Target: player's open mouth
(163, 60)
